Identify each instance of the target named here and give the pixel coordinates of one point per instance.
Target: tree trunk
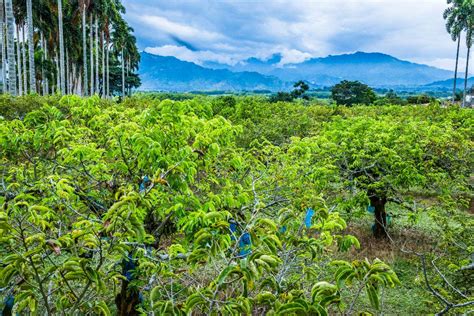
(45, 78)
(10, 47)
(123, 75)
(107, 70)
(91, 42)
(43, 83)
(84, 51)
(18, 62)
(103, 62)
(58, 75)
(127, 72)
(61, 47)
(466, 77)
(456, 68)
(31, 46)
(96, 56)
(68, 73)
(380, 215)
(25, 67)
(128, 299)
(2, 46)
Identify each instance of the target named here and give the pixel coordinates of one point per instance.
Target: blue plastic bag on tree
(128, 268)
(232, 228)
(143, 184)
(245, 245)
(308, 217)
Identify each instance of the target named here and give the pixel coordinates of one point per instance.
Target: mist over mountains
(160, 73)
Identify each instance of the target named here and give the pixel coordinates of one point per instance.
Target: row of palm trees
(80, 47)
(459, 18)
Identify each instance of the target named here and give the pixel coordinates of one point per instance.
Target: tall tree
(469, 40)
(455, 21)
(61, 48)
(31, 46)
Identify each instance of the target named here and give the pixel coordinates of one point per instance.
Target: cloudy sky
(229, 31)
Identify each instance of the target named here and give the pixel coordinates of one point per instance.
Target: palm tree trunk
(91, 42)
(61, 47)
(25, 67)
(10, 47)
(466, 76)
(2, 46)
(123, 75)
(68, 81)
(58, 75)
(46, 80)
(43, 82)
(456, 68)
(103, 62)
(129, 90)
(107, 79)
(19, 66)
(84, 51)
(96, 56)
(31, 48)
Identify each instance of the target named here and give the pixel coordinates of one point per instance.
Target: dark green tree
(391, 97)
(299, 92)
(352, 92)
(300, 89)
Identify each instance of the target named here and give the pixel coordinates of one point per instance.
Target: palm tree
(10, 47)
(469, 40)
(111, 59)
(61, 47)
(455, 21)
(31, 47)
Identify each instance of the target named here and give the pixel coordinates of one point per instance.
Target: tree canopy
(352, 92)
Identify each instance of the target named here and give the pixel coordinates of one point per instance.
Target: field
(213, 205)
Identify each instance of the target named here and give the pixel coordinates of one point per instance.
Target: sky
(230, 31)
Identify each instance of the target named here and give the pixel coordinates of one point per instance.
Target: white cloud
(197, 57)
(293, 56)
(231, 30)
(177, 29)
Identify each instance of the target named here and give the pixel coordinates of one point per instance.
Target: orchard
(226, 206)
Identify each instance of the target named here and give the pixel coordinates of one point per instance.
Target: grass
(411, 297)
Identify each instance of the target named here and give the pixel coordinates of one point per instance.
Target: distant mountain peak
(356, 57)
(373, 68)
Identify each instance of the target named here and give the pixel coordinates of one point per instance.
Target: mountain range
(161, 73)
(448, 84)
